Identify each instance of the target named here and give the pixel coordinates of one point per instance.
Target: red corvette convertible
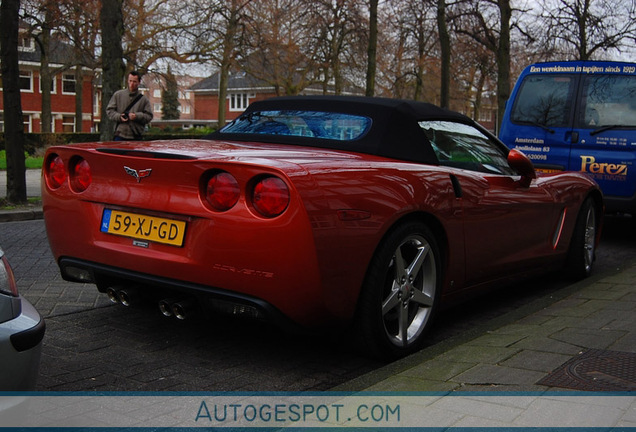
(317, 211)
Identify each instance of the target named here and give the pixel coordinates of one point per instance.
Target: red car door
(508, 221)
(508, 227)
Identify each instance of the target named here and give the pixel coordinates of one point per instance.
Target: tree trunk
(372, 48)
(79, 93)
(226, 62)
(45, 72)
(445, 50)
(113, 68)
(13, 122)
(503, 60)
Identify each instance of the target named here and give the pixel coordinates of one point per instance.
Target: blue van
(578, 116)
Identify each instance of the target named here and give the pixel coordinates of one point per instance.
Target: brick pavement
(596, 314)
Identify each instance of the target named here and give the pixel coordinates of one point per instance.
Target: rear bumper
(157, 287)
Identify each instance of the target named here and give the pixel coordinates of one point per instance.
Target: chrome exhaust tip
(129, 296)
(113, 294)
(165, 307)
(183, 309)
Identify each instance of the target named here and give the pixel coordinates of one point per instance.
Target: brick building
(63, 89)
(154, 85)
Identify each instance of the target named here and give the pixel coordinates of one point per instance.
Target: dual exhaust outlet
(180, 308)
(125, 296)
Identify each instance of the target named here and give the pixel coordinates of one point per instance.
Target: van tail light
(81, 176)
(55, 172)
(222, 191)
(270, 196)
(7, 279)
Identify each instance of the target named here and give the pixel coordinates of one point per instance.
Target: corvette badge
(138, 174)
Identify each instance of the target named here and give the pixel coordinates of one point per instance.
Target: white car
(21, 332)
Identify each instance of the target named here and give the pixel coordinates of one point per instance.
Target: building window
(68, 84)
(156, 107)
(187, 95)
(485, 116)
(26, 43)
(185, 109)
(26, 119)
(238, 101)
(26, 81)
(97, 104)
(156, 93)
(68, 123)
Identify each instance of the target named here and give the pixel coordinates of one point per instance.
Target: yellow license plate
(143, 227)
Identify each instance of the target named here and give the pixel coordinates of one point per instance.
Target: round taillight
(56, 172)
(81, 176)
(222, 191)
(270, 196)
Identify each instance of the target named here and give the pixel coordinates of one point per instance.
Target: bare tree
(280, 48)
(231, 42)
(215, 30)
(42, 18)
(112, 23)
(411, 45)
(13, 123)
(81, 28)
(582, 29)
(489, 22)
(341, 38)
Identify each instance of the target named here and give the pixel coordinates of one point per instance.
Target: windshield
(315, 124)
(544, 100)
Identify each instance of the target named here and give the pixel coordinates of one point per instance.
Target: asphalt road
(93, 345)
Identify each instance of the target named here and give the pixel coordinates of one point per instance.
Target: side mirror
(520, 163)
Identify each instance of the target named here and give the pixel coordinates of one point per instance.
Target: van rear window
(608, 100)
(544, 100)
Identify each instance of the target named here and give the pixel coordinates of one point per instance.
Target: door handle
(574, 138)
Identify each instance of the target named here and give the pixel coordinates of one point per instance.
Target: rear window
(608, 100)
(314, 124)
(544, 100)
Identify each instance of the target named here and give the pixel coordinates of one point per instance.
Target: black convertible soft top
(394, 132)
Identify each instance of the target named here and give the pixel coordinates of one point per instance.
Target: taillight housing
(7, 279)
(270, 196)
(55, 171)
(222, 191)
(81, 176)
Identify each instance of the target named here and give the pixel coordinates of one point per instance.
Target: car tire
(582, 251)
(400, 293)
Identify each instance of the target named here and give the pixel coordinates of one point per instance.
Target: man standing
(129, 110)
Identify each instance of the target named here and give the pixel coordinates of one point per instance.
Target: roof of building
(239, 80)
(60, 53)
